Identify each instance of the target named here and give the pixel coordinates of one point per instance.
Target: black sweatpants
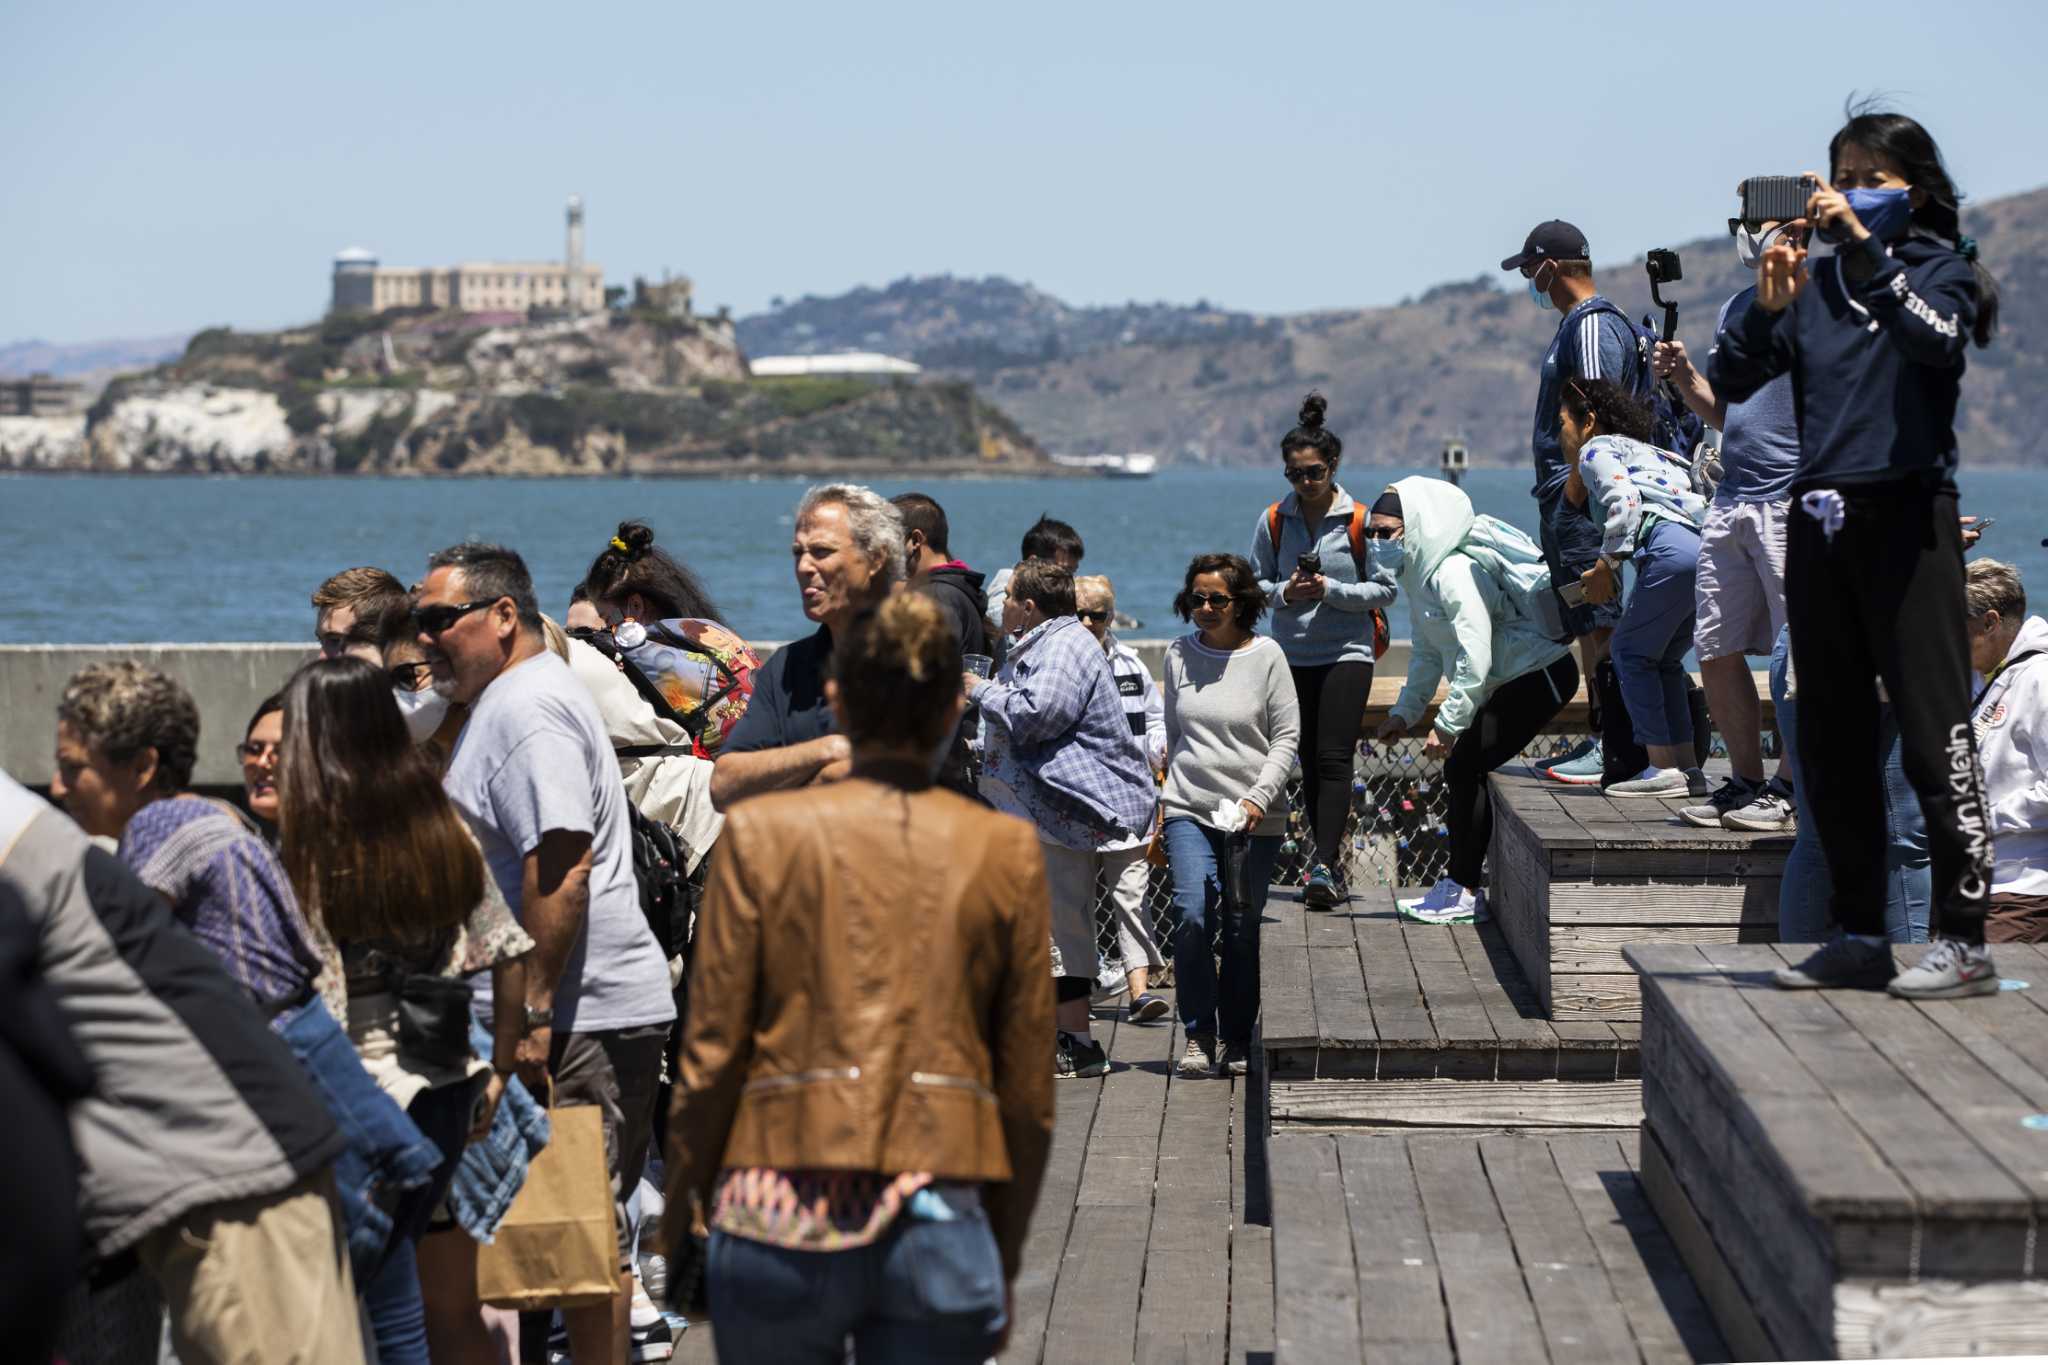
(1515, 714)
(1332, 699)
(1884, 600)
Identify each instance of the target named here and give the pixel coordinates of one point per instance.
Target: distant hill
(1207, 384)
(88, 359)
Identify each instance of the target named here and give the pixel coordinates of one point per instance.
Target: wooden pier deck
(1366, 1019)
(1850, 1175)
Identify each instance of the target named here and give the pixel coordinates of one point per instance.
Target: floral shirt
(810, 1210)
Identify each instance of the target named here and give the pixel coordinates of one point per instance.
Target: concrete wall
(228, 680)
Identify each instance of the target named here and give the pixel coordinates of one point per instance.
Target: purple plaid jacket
(1057, 706)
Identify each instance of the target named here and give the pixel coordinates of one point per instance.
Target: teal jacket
(1458, 622)
(1338, 629)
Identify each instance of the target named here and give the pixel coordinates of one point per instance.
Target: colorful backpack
(1355, 533)
(693, 672)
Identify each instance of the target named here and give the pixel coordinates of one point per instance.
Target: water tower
(572, 256)
(355, 281)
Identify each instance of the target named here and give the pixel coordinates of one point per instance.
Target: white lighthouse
(572, 258)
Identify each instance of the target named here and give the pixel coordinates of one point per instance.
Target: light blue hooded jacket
(1461, 621)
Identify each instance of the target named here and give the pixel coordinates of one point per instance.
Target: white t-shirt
(534, 758)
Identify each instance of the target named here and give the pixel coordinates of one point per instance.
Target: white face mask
(423, 712)
(1751, 246)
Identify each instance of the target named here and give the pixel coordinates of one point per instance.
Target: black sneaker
(1236, 1060)
(1078, 1057)
(1842, 961)
(1733, 794)
(1148, 1008)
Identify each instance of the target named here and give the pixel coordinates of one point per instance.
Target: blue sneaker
(1582, 769)
(1542, 766)
(1321, 892)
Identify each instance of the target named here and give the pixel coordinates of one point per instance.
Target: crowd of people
(816, 935)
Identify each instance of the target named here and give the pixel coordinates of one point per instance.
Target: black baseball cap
(1555, 240)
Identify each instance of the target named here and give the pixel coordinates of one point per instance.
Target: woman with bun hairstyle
(1875, 338)
(865, 1103)
(1308, 552)
(634, 578)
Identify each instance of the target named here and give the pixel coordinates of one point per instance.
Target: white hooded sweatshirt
(2011, 721)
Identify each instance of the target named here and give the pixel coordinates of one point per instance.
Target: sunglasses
(1217, 600)
(255, 751)
(436, 619)
(1382, 532)
(411, 677)
(1093, 615)
(1314, 473)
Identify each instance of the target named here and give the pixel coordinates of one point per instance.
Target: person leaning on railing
(865, 1101)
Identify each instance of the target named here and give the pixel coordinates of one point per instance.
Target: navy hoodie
(1876, 363)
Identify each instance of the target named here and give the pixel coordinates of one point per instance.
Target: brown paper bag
(557, 1247)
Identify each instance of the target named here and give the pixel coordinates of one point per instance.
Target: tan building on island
(363, 285)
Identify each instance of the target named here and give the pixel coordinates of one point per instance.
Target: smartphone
(1982, 524)
(1776, 198)
(1573, 594)
(1308, 565)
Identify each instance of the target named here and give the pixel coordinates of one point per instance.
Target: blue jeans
(925, 1291)
(1655, 632)
(1195, 854)
(492, 1169)
(398, 1315)
(386, 1154)
(1804, 893)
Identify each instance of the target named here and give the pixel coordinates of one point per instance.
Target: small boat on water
(1134, 466)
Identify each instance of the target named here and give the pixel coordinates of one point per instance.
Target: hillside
(420, 393)
(1203, 384)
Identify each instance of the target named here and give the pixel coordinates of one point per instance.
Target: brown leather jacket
(872, 991)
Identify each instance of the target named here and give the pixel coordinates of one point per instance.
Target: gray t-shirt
(534, 758)
(1760, 440)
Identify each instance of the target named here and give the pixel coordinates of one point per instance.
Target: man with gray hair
(534, 774)
(848, 555)
(2011, 721)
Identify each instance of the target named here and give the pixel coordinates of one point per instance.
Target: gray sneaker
(1770, 812)
(1200, 1057)
(1733, 794)
(1841, 961)
(1665, 784)
(1949, 971)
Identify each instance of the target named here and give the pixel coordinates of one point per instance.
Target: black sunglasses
(1093, 615)
(1218, 600)
(1314, 473)
(1381, 532)
(411, 677)
(438, 618)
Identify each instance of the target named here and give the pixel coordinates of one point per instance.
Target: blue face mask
(1885, 213)
(1387, 555)
(1541, 297)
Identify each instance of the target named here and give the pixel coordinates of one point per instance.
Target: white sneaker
(1768, 813)
(1662, 784)
(1444, 894)
(1949, 970)
(1454, 905)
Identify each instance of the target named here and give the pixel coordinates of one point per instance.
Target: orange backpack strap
(1381, 636)
(1273, 533)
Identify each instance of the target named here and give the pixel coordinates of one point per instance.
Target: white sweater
(1232, 729)
(2011, 722)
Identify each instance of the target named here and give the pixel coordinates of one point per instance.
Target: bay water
(113, 558)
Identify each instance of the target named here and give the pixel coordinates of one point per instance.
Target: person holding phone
(1308, 550)
(1875, 338)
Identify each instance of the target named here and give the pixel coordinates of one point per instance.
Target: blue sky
(172, 166)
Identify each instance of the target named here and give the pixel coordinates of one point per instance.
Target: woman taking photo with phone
(1874, 337)
(1309, 552)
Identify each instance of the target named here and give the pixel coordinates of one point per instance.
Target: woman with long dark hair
(634, 578)
(1875, 338)
(381, 859)
(1309, 552)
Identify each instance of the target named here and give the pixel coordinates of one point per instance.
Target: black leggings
(1332, 698)
(1884, 600)
(1515, 714)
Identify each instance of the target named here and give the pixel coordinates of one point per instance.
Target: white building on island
(363, 285)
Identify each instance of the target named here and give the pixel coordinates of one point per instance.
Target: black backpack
(669, 894)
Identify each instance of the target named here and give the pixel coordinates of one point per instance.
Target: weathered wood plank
(1602, 997)
(1505, 994)
(1399, 1013)
(1400, 1299)
(1459, 1104)
(1455, 1010)
(1575, 1305)
(1251, 1232)
(1669, 1319)
(1597, 947)
(1486, 1297)
(1095, 1307)
(1734, 1312)
(1287, 1012)
(1343, 1019)
(1664, 901)
(1185, 1311)
(1123, 1144)
(1936, 1318)
(1316, 1305)
(1032, 1292)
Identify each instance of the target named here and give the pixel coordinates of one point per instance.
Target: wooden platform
(1151, 1241)
(1848, 1174)
(1575, 875)
(1365, 1019)
(1512, 1248)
